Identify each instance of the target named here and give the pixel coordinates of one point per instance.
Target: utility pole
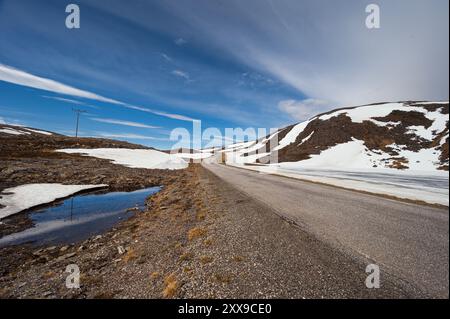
(78, 112)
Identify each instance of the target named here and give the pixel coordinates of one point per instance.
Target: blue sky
(142, 68)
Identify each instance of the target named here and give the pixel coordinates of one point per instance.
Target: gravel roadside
(198, 238)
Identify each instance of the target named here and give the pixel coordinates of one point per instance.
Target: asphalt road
(409, 242)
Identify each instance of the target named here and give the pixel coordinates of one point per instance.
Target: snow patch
(352, 154)
(38, 131)
(292, 135)
(365, 113)
(306, 138)
(134, 158)
(386, 124)
(443, 140)
(17, 199)
(195, 156)
(424, 160)
(13, 131)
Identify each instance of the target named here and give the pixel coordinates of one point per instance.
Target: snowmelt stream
(79, 217)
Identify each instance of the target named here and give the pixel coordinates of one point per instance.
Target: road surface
(409, 242)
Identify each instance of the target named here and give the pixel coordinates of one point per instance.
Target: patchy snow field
(292, 135)
(354, 155)
(430, 187)
(17, 199)
(38, 131)
(194, 156)
(12, 131)
(20, 130)
(134, 158)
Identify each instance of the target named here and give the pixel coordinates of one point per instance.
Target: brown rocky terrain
(34, 143)
(32, 158)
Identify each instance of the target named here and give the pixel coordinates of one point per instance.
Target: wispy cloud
(174, 116)
(161, 113)
(120, 122)
(166, 57)
(62, 99)
(2, 120)
(304, 109)
(181, 74)
(180, 41)
(15, 76)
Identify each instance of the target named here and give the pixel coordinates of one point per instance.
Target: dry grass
(187, 269)
(208, 242)
(104, 295)
(171, 286)
(48, 275)
(89, 280)
(130, 255)
(223, 278)
(206, 259)
(186, 256)
(196, 233)
(154, 275)
(201, 215)
(237, 258)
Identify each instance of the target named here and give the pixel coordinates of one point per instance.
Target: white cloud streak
(180, 41)
(161, 113)
(166, 57)
(15, 76)
(304, 109)
(71, 101)
(174, 116)
(181, 74)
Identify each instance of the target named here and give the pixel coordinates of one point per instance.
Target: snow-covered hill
(408, 136)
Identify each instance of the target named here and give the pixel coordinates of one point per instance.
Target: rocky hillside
(29, 156)
(403, 135)
(19, 141)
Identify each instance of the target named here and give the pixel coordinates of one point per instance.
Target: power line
(78, 112)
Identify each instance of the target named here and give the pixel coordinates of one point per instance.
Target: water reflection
(80, 217)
